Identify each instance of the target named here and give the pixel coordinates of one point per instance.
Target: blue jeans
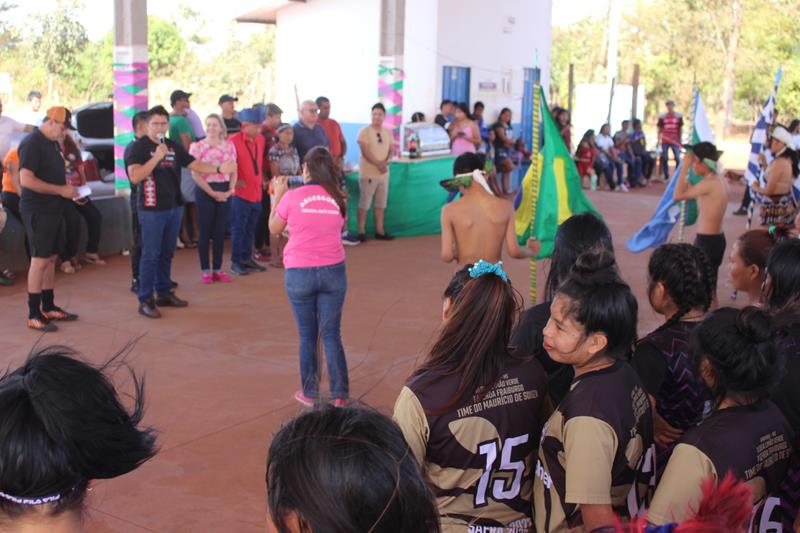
(159, 234)
(317, 297)
(676, 153)
(244, 216)
(213, 219)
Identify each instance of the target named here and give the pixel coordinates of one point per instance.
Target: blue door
(526, 121)
(455, 84)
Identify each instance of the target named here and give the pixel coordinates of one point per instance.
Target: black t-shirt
(125, 157)
(787, 394)
(162, 189)
(440, 120)
(232, 125)
(527, 340)
(43, 157)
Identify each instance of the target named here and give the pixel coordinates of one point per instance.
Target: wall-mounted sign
(487, 85)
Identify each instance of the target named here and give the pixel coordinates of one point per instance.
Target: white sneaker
(623, 187)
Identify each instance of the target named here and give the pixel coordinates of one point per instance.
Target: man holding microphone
(45, 192)
(156, 163)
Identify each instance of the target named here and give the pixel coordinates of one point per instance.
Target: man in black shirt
(445, 115)
(154, 166)
(139, 131)
(44, 196)
(227, 104)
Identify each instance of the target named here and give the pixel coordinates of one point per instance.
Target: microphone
(160, 137)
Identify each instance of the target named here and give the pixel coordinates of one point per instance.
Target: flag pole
(534, 179)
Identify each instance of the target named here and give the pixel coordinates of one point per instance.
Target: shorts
(43, 231)
(370, 188)
(714, 248)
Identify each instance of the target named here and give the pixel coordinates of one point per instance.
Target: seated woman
(585, 156)
(62, 425)
(735, 354)
(593, 443)
(778, 204)
(748, 259)
(473, 411)
(79, 207)
(357, 466)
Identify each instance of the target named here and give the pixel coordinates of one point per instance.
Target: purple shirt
(196, 123)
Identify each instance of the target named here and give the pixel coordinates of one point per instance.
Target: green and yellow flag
(560, 194)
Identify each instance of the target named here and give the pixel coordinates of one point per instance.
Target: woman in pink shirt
(464, 132)
(315, 277)
(213, 193)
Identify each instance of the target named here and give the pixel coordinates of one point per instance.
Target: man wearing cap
(308, 133)
(670, 126)
(154, 165)
(44, 196)
(246, 203)
(711, 193)
(180, 131)
(476, 225)
(227, 105)
(777, 202)
(269, 130)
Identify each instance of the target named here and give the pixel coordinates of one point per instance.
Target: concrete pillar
(130, 77)
(390, 70)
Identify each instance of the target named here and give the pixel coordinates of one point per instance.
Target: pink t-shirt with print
(214, 155)
(315, 228)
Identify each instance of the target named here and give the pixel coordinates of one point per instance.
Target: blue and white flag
(657, 230)
(758, 142)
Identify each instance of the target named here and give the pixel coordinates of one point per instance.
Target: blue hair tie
(484, 267)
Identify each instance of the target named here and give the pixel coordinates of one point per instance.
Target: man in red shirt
(272, 119)
(670, 125)
(337, 144)
(246, 202)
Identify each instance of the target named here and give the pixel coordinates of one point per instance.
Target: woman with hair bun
(593, 444)
(473, 411)
(61, 426)
(748, 259)
(734, 353)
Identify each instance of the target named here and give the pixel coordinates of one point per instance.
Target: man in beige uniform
(711, 194)
(375, 143)
(476, 225)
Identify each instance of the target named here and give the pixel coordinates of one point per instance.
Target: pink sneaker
(222, 277)
(339, 402)
(302, 398)
(207, 279)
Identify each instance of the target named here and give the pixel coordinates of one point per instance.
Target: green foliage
(9, 35)
(166, 47)
(59, 38)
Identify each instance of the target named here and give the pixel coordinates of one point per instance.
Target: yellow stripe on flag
(559, 168)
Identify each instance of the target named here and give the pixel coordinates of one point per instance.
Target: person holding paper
(45, 194)
(81, 207)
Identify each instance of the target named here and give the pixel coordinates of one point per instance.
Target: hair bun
(755, 324)
(596, 263)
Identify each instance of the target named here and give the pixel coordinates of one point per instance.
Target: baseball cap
(248, 116)
(61, 115)
(227, 98)
(705, 152)
(178, 95)
(273, 109)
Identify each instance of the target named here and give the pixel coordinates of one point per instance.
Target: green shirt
(178, 125)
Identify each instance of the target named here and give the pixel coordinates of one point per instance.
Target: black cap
(227, 98)
(704, 150)
(178, 95)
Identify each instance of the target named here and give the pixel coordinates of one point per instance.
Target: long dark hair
(783, 269)
(359, 469)
(322, 170)
(63, 425)
(601, 302)
(473, 342)
(740, 346)
(576, 235)
(686, 274)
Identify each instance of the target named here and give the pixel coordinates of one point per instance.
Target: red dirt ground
(221, 373)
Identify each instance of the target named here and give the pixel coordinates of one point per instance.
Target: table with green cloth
(415, 197)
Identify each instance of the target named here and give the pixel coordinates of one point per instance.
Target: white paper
(84, 191)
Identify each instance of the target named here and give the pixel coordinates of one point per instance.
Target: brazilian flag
(560, 193)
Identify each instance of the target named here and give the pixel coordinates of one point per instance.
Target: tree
(165, 46)
(9, 35)
(60, 37)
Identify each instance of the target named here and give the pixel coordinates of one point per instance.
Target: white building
(465, 50)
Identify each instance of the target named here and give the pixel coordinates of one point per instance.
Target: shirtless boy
(711, 194)
(475, 226)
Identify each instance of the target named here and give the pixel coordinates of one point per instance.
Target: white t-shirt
(604, 142)
(8, 126)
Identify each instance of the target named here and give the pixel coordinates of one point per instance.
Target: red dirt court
(220, 374)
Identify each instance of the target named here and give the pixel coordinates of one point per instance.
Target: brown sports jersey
(592, 448)
(751, 441)
(479, 455)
